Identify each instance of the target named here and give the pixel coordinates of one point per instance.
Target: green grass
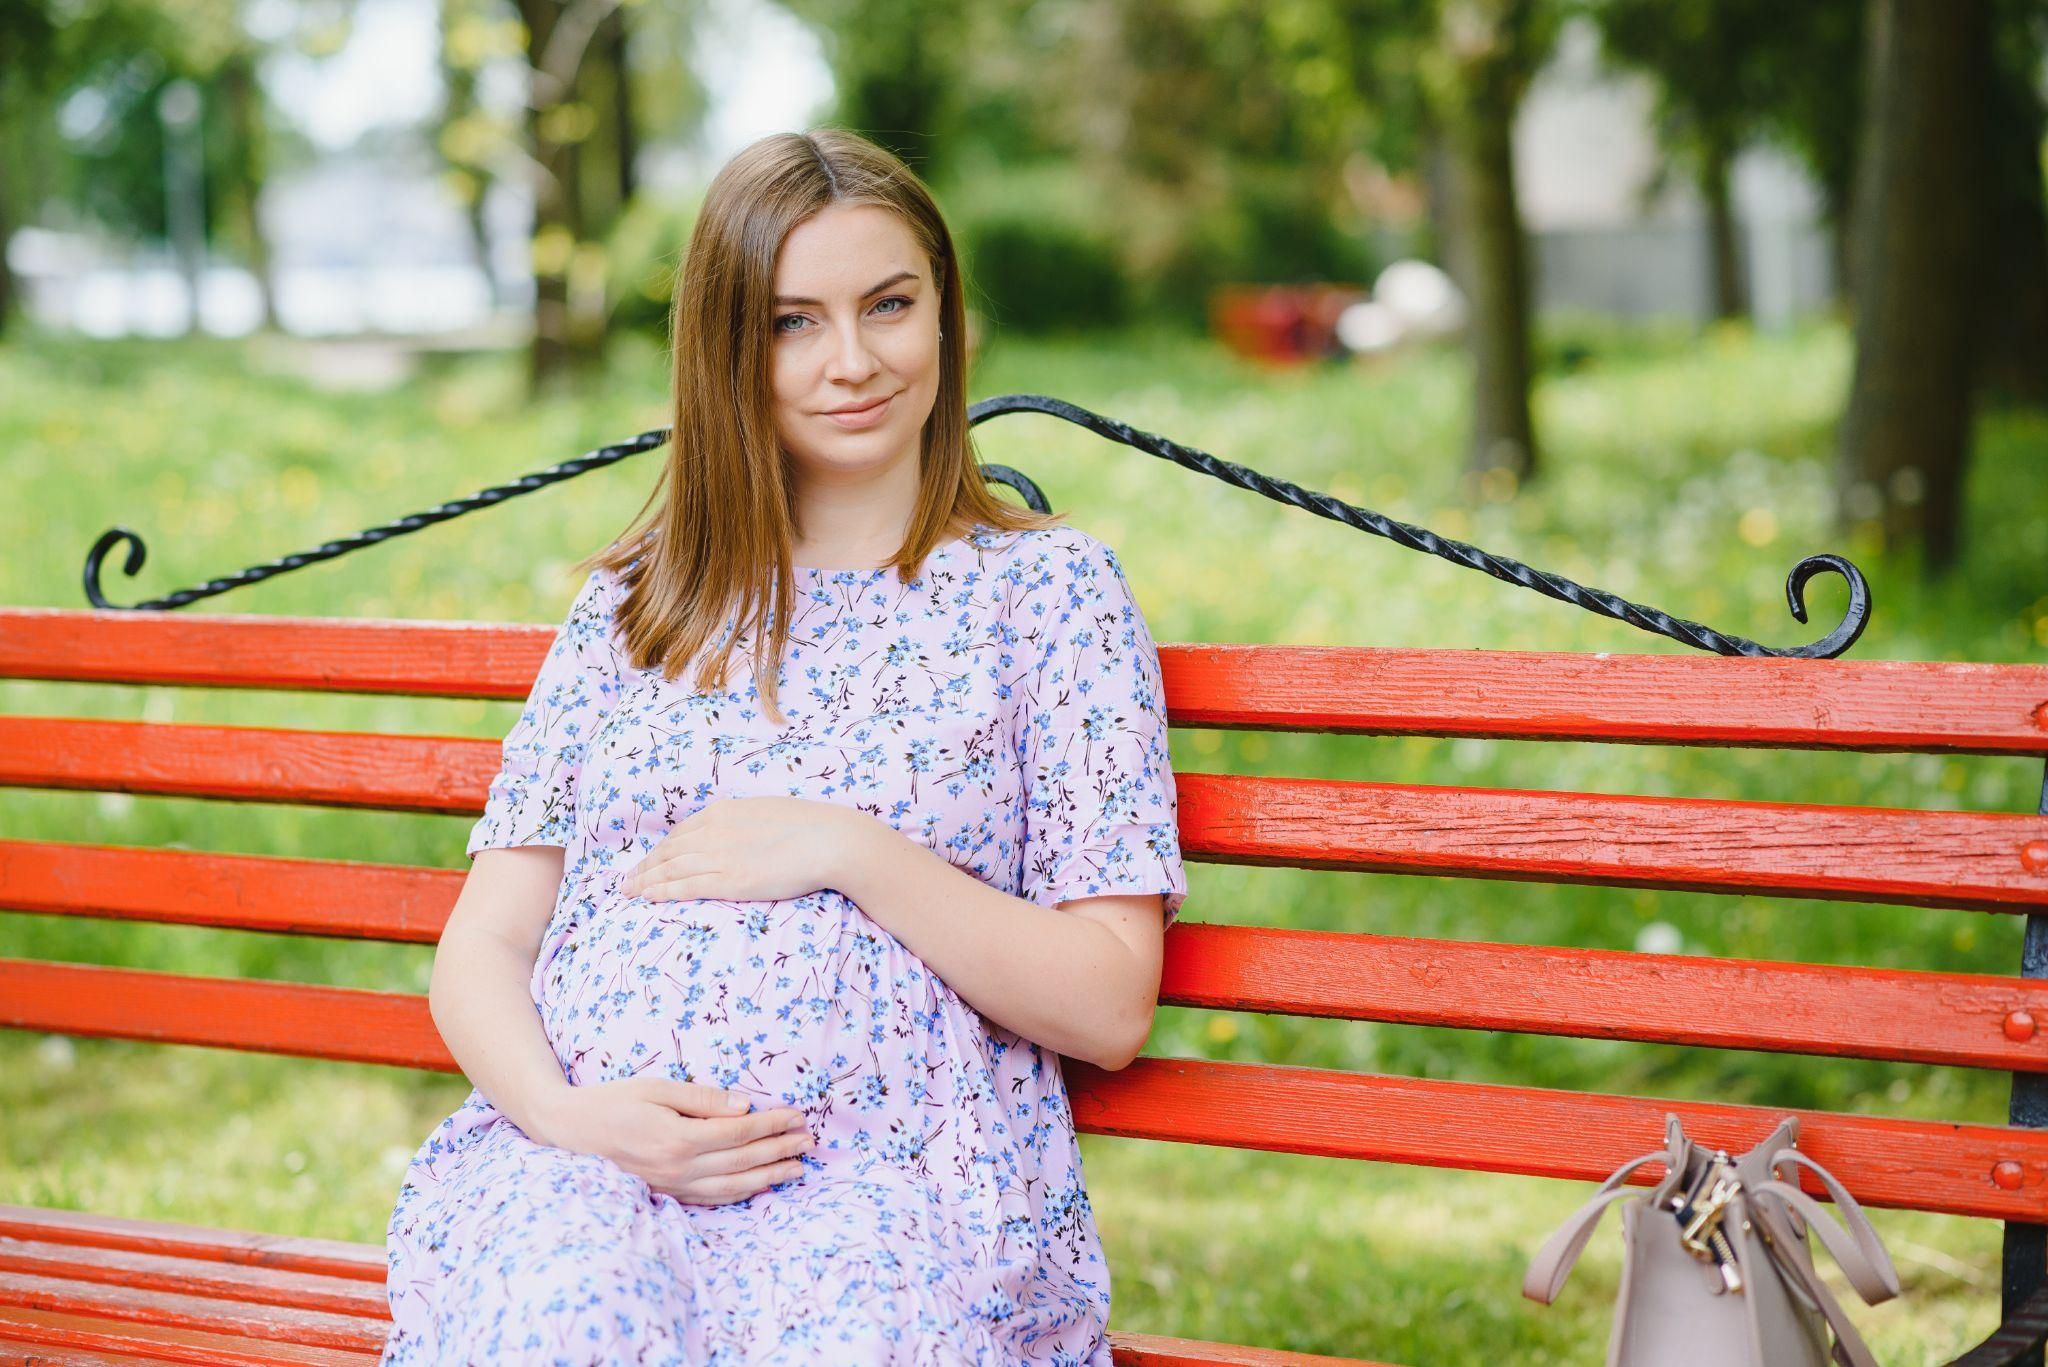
(1689, 473)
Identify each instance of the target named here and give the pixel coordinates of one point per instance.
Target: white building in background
(365, 244)
(1584, 152)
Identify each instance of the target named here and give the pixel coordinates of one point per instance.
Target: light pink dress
(1004, 708)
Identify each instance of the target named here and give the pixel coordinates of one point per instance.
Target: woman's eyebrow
(875, 289)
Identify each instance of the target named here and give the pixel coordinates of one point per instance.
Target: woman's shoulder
(1045, 554)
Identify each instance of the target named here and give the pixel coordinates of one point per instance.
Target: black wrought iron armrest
(2024, 1330)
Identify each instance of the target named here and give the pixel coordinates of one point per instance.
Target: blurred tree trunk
(1482, 65)
(1724, 233)
(1905, 438)
(245, 118)
(566, 336)
(2013, 327)
(10, 292)
(624, 129)
(469, 171)
(893, 65)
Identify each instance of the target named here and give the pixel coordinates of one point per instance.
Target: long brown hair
(723, 512)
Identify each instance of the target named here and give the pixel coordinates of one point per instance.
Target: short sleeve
(532, 800)
(1101, 815)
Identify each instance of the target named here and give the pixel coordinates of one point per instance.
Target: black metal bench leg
(2023, 1310)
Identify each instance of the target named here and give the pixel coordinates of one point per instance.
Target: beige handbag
(1715, 1266)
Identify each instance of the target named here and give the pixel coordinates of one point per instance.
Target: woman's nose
(851, 360)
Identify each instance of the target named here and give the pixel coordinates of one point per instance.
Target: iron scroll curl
(1833, 644)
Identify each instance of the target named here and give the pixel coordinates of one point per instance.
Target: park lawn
(1685, 472)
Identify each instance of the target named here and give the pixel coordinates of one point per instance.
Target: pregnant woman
(763, 974)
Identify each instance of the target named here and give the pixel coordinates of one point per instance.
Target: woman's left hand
(745, 849)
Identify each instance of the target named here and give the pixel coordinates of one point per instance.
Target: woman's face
(856, 321)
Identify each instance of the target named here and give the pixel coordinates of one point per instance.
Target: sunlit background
(1658, 295)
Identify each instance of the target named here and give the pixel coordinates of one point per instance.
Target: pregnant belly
(802, 1002)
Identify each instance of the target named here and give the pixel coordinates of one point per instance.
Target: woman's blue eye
(792, 317)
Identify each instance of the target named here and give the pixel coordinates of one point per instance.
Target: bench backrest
(1984, 861)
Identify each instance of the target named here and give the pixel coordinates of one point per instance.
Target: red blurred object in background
(1281, 324)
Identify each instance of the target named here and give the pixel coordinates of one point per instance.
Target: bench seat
(86, 1288)
(94, 1289)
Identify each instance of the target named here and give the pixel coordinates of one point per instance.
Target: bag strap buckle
(1699, 1210)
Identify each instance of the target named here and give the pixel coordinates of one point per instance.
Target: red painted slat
(22, 1353)
(1160, 1350)
(216, 1247)
(200, 1243)
(1538, 1132)
(312, 1328)
(86, 1334)
(299, 654)
(1916, 1165)
(351, 1024)
(1959, 1019)
(1985, 861)
(193, 1277)
(1923, 706)
(444, 774)
(1973, 1020)
(1690, 699)
(343, 898)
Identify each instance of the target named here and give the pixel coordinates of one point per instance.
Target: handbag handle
(1850, 1350)
(1780, 1211)
(1553, 1262)
(1862, 1257)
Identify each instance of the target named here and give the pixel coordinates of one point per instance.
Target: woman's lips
(866, 417)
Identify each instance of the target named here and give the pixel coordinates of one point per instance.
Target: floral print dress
(1004, 709)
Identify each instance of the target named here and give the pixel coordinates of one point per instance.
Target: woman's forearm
(1061, 980)
(482, 1005)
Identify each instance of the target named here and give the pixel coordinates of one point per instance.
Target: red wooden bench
(79, 1287)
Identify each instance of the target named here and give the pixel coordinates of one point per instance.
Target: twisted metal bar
(1323, 505)
(1471, 557)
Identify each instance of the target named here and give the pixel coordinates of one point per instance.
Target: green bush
(642, 255)
(1042, 274)
(1270, 227)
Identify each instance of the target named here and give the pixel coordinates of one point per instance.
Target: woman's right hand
(682, 1137)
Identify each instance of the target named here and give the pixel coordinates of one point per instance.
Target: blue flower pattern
(1004, 708)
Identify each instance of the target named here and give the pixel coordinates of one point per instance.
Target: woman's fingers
(668, 868)
(722, 1188)
(757, 1153)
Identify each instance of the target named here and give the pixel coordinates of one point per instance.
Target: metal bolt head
(2019, 1026)
(2008, 1175)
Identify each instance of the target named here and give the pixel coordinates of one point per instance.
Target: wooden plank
(301, 654)
(76, 1338)
(1995, 1171)
(193, 1277)
(1960, 1019)
(203, 1246)
(21, 1353)
(1922, 706)
(22, 1296)
(1983, 861)
(442, 774)
(346, 898)
(285, 1252)
(1971, 1020)
(1672, 698)
(1126, 1350)
(1160, 1350)
(349, 1024)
